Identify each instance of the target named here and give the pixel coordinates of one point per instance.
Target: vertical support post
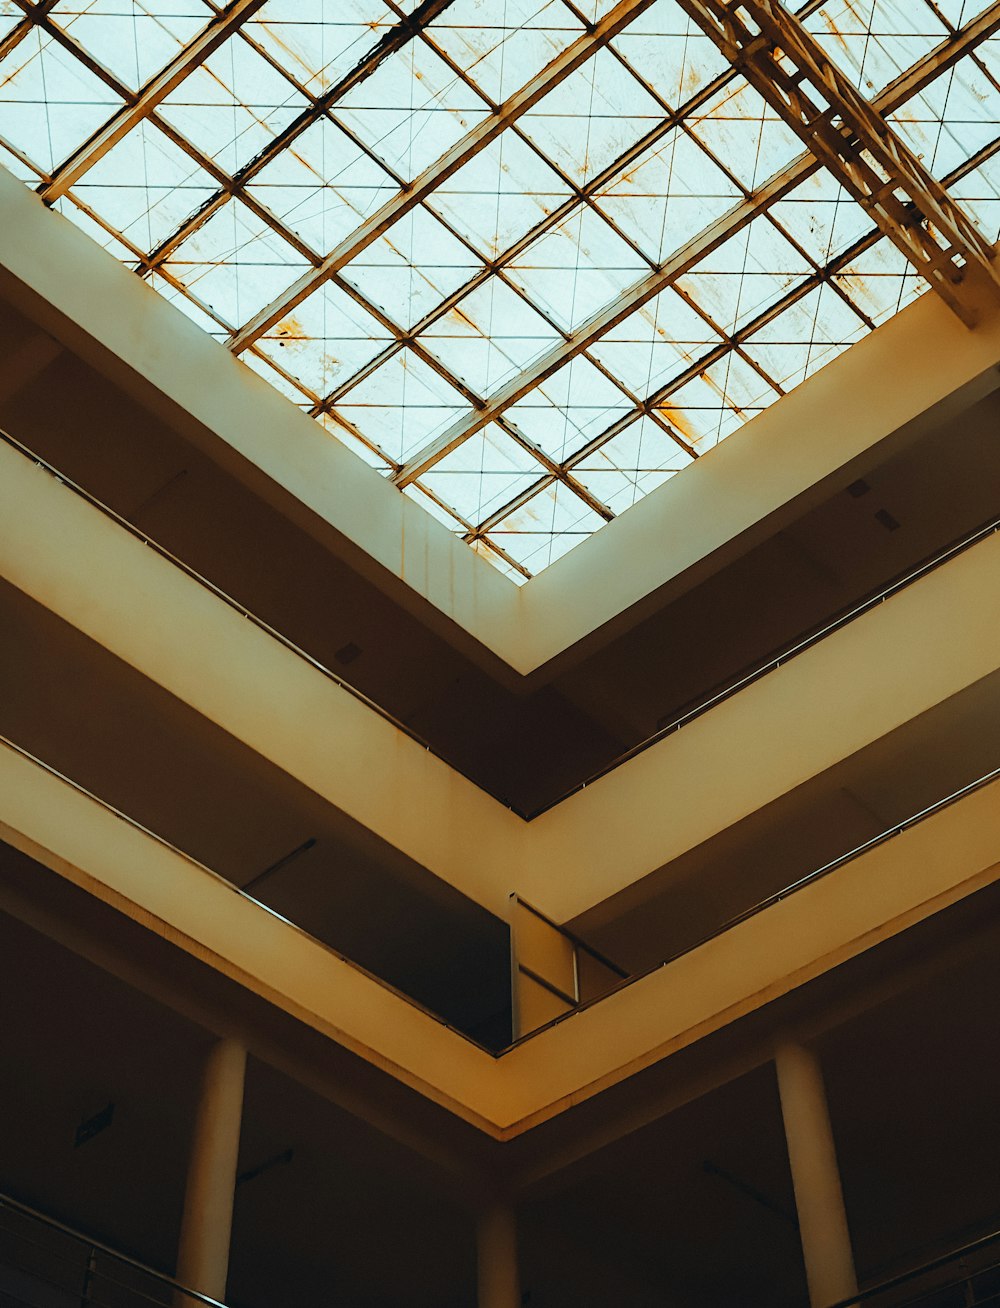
(203, 1253)
(819, 1199)
(499, 1274)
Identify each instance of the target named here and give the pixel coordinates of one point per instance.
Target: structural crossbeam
(791, 71)
(465, 149)
(897, 93)
(221, 27)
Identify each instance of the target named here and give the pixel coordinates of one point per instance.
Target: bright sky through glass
(528, 258)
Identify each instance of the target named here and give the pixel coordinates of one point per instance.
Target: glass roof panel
(236, 262)
(958, 115)
(631, 464)
(323, 186)
(502, 193)
(411, 109)
(592, 117)
(316, 42)
(49, 102)
(326, 339)
(409, 271)
(133, 41)
(502, 44)
(745, 275)
(145, 186)
(233, 104)
(670, 53)
(402, 404)
(571, 407)
(576, 268)
(744, 134)
(666, 196)
(546, 527)
(489, 337)
(483, 474)
(623, 228)
(873, 41)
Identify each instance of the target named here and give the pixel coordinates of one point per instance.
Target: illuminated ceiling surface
(528, 258)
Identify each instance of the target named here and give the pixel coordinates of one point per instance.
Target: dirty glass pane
(323, 186)
(483, 474)
(402, 404)
(503, 45)
(133, 39)
(49, 102)
(592, 117)
(546, 527)
(489, 336)
(873, 41)
(235, 262)
(631, 464)
(326, 339)
(411, 109)
(318, 42)
(576, 268)
(570, 408)
(413, 267)
(502, 193)
(233, 105)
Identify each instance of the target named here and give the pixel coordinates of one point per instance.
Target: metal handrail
(754, 671)
(866, 1296)
(694, 710)
(92, 1245)
(759, 907)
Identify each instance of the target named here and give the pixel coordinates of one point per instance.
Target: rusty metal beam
(792, 72)
(486, 131)
(689, 256)
(221, 27)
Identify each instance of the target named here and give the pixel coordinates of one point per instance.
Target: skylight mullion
(516, 502)
(461, 152)
(556, 469)
(686, 259)
(17, 33)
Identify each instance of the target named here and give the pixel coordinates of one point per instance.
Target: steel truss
(792, 72)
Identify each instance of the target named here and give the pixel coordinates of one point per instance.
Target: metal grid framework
(529, 258)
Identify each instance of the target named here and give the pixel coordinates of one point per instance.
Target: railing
(553, 970)
(694, 709)
(46, 1264)
(968, 1277)
(237, 890)
(759, 906)
(754, 671)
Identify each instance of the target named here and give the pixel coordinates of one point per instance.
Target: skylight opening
(527, 258)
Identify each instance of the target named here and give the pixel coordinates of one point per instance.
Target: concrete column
(826, 1240)
(499, 1276)
(203, 1254)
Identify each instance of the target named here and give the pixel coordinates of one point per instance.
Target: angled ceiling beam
(897, 93)
(466, 148)
(790, 69)
(219, 30)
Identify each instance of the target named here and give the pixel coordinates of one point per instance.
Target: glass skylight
(527, 258)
